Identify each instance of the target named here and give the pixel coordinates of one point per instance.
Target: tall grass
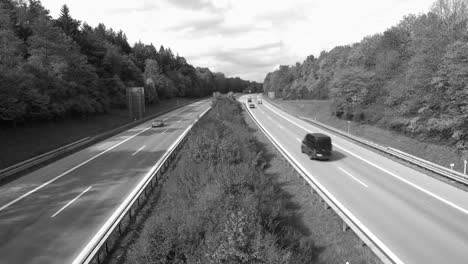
(218, 205)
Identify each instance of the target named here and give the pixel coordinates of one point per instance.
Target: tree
(69, 25)
(152, 78)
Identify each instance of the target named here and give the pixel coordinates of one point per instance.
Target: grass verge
(226, 200)
(25, 142)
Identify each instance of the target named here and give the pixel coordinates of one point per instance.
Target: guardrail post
(344, 226)
(451, 166)
(464, 167)
(325, 205)
(349, 122)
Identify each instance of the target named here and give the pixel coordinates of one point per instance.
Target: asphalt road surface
(49, 215)
(417, 218)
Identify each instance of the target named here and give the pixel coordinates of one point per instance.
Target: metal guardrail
(425, 164)
(12, 171)
(93, 251)
(384, 254)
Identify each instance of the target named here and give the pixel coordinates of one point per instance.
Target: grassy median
(218, 205)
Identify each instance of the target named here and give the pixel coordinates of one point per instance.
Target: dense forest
(59, 68)
(411, 78)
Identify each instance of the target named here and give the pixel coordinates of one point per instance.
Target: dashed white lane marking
(138, 150)
(298, 139)
(280, 126)
(356, 179)
(465, 211)
(77, 166)
(61, 209)
(164, 131)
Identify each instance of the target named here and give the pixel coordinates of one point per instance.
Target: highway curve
(417, 218)
(49, 215)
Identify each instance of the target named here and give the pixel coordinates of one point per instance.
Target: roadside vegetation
(410, 79)
(218, 205)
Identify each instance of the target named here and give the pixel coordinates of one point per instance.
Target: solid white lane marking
(312, 180)
(61, 209)
(138, 150)
(465, 211)
(384, 170)
(356, 179)
(72, 169)
(81, 257)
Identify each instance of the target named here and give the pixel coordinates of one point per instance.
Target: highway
(418, 219)
(50, 214)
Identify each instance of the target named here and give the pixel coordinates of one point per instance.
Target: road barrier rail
(13, 171)
(349, 220)
(422, 163)
(100, 245)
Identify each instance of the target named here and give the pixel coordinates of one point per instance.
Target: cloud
(248, 62)
(193, 4)
(278, 44)
(199, 25)
(146, 6)
(210, 26)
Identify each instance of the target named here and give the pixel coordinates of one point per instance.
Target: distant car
(259, 101)
(251, 106)
(317, 146)
(157, 123)
(249, 100)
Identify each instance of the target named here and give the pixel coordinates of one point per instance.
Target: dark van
(317, 146)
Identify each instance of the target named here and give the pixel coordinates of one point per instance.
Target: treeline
(219, 206)
(412, 78)
(59, 68)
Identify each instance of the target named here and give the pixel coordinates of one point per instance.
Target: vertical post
(349, 122)
(451, 166)
(344, 227)
(464, 167)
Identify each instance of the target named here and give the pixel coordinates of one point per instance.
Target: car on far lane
(259, 101)
(157, 123)
(317, 146)
(251, 105)
(249, 99)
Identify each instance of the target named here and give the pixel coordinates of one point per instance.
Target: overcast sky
(245, 38)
